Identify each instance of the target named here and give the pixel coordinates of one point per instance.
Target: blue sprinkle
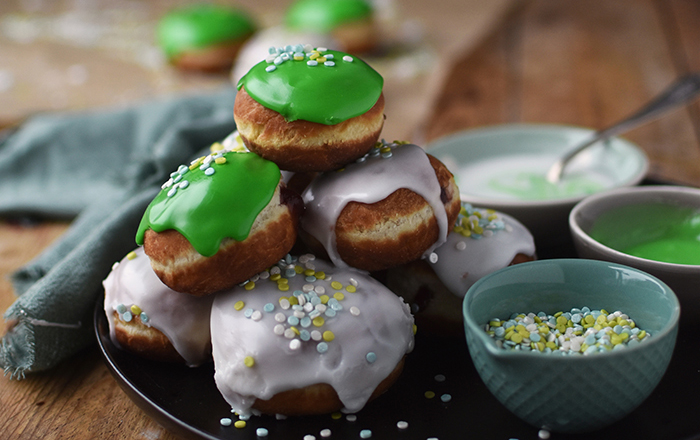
(365, 433)
(261, 432)
(144, 317)
(288, 48)
(387, 155)
(329, 56)
(172, 191)
(209, 171)
(289, 273)
(329, 63)
(535, 337)
(293, 320)
(121, 308)
(312, 63)
(617, 329)
(272, 50)
(279, 60)
(183, 169)
(500, 332)
(305, 321)
(446, 398)
(298, 48)
(298, 54)
(322, 347)
(248, 312)
(371, 357)
(315, 300)
(177, 178)
(271, 67)
(304, 335)
(330, 312)
(127, 316)
(269, 307)
(590, 339)
(310, 279)
(184, 184)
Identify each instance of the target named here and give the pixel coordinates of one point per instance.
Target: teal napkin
(100, 169)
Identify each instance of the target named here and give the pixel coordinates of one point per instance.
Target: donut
(151, 320)
(392, 206)
(306, 338)
(310, 109)
(481, 242)
(219, 221)
(350, 22)
(204, 37)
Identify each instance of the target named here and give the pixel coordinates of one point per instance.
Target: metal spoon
(680, 92)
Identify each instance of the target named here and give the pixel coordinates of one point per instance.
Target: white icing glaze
(368, 181)
(182, 318)
(383, 326)
(460, 266)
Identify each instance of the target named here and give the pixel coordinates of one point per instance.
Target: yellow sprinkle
(385, 149)
(283, 281)
(551, 345)
(604, 312)
(328, 336)
(561, 320)
(275, 277)
(321, 59)
(601, 319)
(283, 288)
(495, 323)
(216, 146)
(336, 285)
(429, 394)
(558, 314)
(624, 322)
(538, 320)
(350, 288)
(309, 272)
(239, 305)
(298, 57)
(517, 338)
(509, 333)
(642, 334)
(249, 361)
(339, 296)
(336, 416)
(239, 424)
(318, 321)
(590, 320)
(249, 285)
(298, 269)
(293, 300)
(324, 299)
(220, 160)
(415, 329)
(131, 255)
(463, 210)
(321, 275)
(135, 310)
(295, 330)
(615, 339)
(314, 55)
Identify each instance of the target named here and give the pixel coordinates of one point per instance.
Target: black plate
(186, 401)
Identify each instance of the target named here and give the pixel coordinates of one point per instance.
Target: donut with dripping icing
(392, 206)
(481, 242)
(305, 337)
(349, 22)
(219, 221)
(204, 37)
(310, 109)
(151, 320)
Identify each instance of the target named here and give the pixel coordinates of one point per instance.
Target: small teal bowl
(576, 393)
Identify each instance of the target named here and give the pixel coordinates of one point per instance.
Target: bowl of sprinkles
(553, 339)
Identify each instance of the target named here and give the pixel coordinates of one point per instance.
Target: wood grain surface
(586, 63)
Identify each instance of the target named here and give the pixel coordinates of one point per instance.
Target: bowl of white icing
(503, 167)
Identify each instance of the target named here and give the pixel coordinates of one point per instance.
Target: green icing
(201, 25)
(322, 94)
(534, 186)
(213, 207)
(325, 15)
(655, 231)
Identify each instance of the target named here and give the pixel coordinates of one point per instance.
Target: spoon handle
(681, 91)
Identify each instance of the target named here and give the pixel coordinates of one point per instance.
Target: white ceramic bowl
(684, 279)
(517, 156)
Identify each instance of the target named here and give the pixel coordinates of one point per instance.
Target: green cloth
(101, 169)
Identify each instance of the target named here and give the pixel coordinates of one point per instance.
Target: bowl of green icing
(653, 228)
(504, 167)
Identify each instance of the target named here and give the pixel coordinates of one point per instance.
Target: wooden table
(586, 63)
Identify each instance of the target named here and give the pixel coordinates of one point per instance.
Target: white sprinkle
(433, 258)
(402, 424)
(320, 290)
(280, 317)
(278, 329)
(351, 417)
(461, 245)
(309, 437)
(307, 288)
(348, 58)
(274, 270)
(209, 171)
(225, 421)
(280, 417)
(316, 335)
(543, 434)
(439, 377)
(256, 316)
(321, 308)
(321, 49)
(312, 63)
(329, 64)
(184, 184)
(325, 433)
(284, 303)
(354, 311)
(289, 334)
(294, 344)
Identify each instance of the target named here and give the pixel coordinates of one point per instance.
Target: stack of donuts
(260, 254)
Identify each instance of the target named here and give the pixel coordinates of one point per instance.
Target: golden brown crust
(303, 145)
(183, 269)
(395, 230)
(212, 58)
(144, 341)
(316, 399)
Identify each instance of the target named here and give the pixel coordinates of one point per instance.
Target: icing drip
(182, 318)
(197, 200)
(493, 240)
(371, 179)
(294, 326)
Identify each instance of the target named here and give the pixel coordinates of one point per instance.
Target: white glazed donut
(308, 338)
(164, 324)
